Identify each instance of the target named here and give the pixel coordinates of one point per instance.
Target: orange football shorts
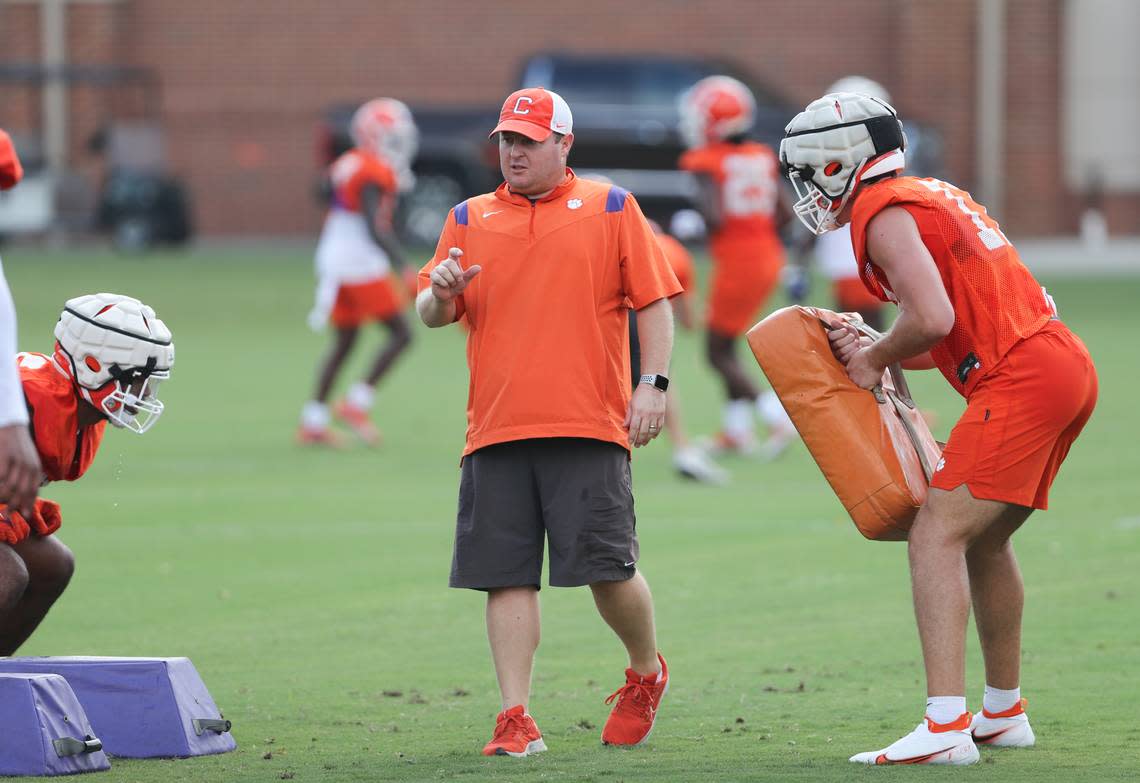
(1021, 420)
(740, 286)
(361, 303)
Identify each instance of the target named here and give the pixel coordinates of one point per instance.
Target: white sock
(315, 415)
(360, 395)
(997, 700)
(738, 419)
(945, 709)
(772, 411)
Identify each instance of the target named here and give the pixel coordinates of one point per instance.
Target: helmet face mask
(133, 403)
(835, 144)
(812, 206)
(116, 352)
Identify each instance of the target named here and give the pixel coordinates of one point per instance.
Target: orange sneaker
(515, 735)
(632, 717)
(722, 444)
(320, 436)
(358, 421)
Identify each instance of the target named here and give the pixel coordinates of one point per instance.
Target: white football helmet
(713, 109)
(861, 85)
(116, 351)
(384, 127)
(837, 142)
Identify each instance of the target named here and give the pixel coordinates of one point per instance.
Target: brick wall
(243, 86)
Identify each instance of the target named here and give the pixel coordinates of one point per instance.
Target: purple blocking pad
(141, 707)
(45, 731)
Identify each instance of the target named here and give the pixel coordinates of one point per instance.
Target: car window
(662, 83)
(594, 82)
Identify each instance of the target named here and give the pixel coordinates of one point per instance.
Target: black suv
(625, 127)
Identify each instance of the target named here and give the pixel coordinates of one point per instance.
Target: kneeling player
(111, 352)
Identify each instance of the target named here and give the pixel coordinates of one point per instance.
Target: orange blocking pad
(874, 449)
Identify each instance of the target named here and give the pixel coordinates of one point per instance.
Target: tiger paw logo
(574, 203)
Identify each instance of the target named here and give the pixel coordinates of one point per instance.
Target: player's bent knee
(50, 566)
(56, 574)
(13, 578)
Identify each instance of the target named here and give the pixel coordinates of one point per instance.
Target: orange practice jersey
(996, 301)
(352, 172)
(748, 176)
(679, 259)
(548, 339)
(66, 450)
(11, 171)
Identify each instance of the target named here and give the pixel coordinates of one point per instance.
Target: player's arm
(925, 313)
(799, 242)
(709, 202)
(20, 469)
(924, 361)
(376, 209)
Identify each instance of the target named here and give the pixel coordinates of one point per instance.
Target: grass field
(309, 588)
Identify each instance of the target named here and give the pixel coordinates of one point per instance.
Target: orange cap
(535, 112)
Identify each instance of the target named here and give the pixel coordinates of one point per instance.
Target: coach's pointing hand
(449, 279)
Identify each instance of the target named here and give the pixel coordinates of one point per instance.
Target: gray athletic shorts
(574, 492)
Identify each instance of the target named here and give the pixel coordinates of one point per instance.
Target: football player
(111, 353)
(971, 309)
(833, 248)
(740, 201)
(19, 464)
(354, 261)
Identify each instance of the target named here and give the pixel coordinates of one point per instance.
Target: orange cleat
(515, 735)
(320, 436)
(358, 421)
(722, 444)
(632, 718)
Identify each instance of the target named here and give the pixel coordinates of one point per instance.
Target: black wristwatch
(659, 382)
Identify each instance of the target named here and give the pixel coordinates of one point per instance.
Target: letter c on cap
(518, 105)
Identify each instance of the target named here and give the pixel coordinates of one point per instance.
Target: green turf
(309, 588)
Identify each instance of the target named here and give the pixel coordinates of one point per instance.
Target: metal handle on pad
(70, 746)
(899, 396)
(216, 725)
(902, 391)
